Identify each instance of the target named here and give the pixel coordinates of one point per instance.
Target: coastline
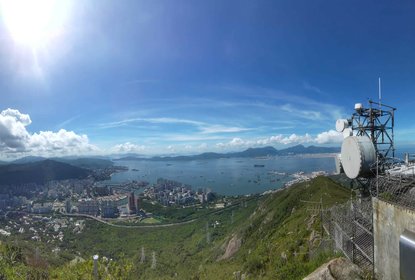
(299, 177)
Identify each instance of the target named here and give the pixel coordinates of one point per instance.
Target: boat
(259, 165)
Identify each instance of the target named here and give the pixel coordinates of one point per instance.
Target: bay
(227, 176)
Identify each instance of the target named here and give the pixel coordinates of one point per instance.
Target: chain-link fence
(350, 226)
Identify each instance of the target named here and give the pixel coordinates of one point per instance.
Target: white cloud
(13, 133)
(235, 143)
(211, 129)
(63, 142)
(297, 139)
(202, 146)
(14, 138)
(128, 148)
(328, 137)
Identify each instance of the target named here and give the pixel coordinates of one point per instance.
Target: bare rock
(337, 269)
(233, 246)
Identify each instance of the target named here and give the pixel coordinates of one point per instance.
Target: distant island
(248, 153)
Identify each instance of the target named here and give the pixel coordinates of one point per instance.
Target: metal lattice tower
(377, 124)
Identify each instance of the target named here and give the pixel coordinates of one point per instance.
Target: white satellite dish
(358, 156)
(341, 125)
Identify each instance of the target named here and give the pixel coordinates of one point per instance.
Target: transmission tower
(143, 255)
(207, 233)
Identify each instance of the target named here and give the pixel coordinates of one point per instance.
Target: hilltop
(272, 236)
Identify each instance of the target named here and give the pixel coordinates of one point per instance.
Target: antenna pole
(380, 95)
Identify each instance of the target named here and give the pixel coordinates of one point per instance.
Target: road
(130, 226)
(156, 225)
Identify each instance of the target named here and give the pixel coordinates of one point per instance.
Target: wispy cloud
(305, 114)
(212, 129)
(191, 138)
(149, 120)
(309, 87)
(139, 81)
(66, 122)
(202, 127)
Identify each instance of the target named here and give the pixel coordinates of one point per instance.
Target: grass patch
(150, 221)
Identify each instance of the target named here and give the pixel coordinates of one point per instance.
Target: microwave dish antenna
(368, 147)
(358, 156)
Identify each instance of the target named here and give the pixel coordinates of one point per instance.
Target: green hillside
(39, 172)
(274, 236)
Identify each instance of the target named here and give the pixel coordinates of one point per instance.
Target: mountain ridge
(40, 172)
(248, 153)
(82, 162)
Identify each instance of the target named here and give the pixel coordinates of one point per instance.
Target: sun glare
(30, 22)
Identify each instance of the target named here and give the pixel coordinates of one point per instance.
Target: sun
(32, 23)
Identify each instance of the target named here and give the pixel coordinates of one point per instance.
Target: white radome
(341, 125)
(358, 155)
(358, 107)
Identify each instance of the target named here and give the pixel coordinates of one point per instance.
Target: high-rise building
(137, 204)
(88, 206)
(131, 203)
(68, 205)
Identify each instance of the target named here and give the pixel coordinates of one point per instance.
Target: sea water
(227, 176)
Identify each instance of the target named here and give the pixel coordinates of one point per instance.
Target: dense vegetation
(39, 172)
(270, 237)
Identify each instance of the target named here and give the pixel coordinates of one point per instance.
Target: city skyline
(185, 77)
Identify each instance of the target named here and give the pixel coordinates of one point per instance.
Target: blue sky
(172, 77)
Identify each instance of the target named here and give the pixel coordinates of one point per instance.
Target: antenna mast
(380, 95)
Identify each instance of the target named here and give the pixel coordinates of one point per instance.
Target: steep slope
(274, 236)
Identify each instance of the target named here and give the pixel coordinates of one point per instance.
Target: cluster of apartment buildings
(11, 201)
(110, 206)
(168, 192)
